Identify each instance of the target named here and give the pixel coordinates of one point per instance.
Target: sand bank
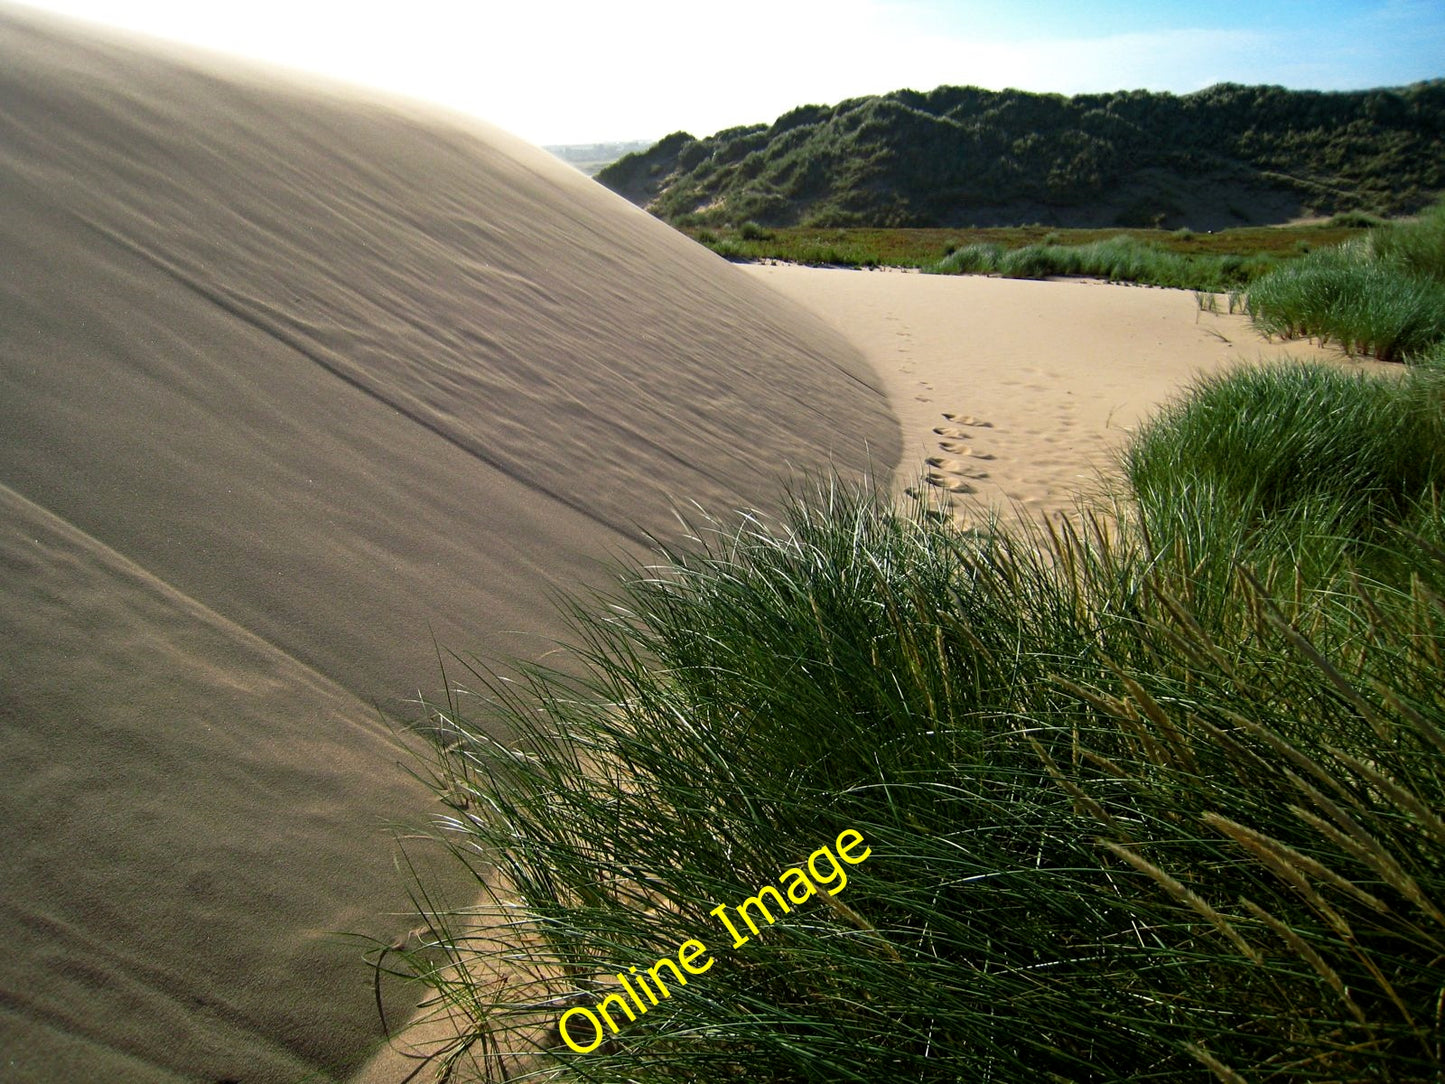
(292, 384)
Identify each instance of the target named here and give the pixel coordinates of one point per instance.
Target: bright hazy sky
(568, 72)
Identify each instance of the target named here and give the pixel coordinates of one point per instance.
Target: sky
(560, 71)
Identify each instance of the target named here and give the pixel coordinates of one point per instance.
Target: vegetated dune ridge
(1224, 156)
(291, 381)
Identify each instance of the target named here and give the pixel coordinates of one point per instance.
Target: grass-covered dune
(1226, 156)
(1156, 797)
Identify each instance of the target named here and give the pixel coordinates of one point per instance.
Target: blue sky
(573, 72)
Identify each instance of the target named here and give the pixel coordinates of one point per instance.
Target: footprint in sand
(949, 483)
(951, 431)
(955, 466)
(957, 447)
(939, 506)
(967, 419)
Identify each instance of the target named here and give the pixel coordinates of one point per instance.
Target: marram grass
(1122, 258)
(1135, 811)
(1382, 295)
(1304, 464)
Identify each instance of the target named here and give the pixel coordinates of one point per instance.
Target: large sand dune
(290, 383)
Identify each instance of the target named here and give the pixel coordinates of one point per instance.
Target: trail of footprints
(954, 471)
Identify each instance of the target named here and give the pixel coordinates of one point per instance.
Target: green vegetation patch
(1306, 465)
(1119, 258)
(1382, 295)
(1225, 156)
(1146, 798)
(1218, 257)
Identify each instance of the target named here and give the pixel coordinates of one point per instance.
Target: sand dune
(290, 383)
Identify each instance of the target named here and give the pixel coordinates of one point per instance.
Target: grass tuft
(1382, 295)
(1303, 464)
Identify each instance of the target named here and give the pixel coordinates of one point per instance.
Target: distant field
(591, 158)
(868, 247)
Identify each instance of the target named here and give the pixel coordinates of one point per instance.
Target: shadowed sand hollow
(292, 382)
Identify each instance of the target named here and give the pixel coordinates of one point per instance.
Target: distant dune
(1225, 156)
(290, 384)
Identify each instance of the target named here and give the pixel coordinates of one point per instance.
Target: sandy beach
(298, 387)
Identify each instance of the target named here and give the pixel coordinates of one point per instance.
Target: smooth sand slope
(1017, 394)
(291, 383)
